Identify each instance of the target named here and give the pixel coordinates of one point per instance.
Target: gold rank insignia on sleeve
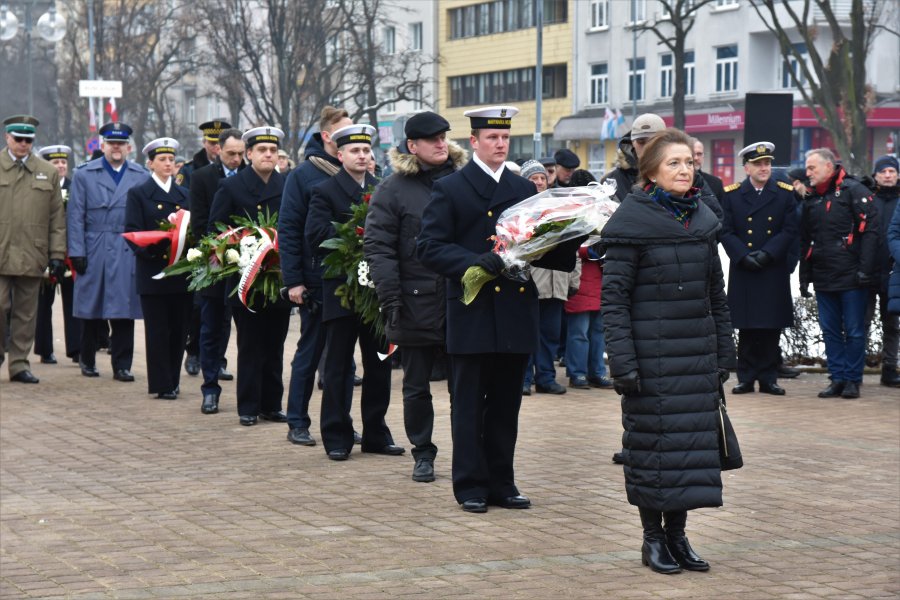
(734, 186)
(785, 186)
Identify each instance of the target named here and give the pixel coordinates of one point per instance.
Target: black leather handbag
(729, 449)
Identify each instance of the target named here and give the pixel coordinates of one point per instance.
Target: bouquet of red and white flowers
(536, 225)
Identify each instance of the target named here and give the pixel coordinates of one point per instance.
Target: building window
(191, 109)
(791, 64)
(726, 4)
(555, 11)
(514, 85)
(636, 75)
(415, 36)
(390, 107)
(664, 13)
(726, 68)
(599, 84)
(599, 14)
(666, 75)
(500, 16)
(637, 11)
(390, 40)
(689, 73)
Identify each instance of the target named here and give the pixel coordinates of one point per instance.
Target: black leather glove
(57, 269)
(391, 310)
(627, 384)
(724, 374)
(804, 291)
(863, 279)
(79, 263)
(490, 262)
(750, 263)
(763, 258)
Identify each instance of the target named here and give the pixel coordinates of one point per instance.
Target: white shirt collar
(165, 186)
(14, 159)
(492, 174)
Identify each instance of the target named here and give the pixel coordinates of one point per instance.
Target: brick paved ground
(108, 493)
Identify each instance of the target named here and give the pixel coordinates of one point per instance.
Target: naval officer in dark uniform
(166, 302)
(255, 191)
(760, 227)
(332, 201)
(489, 340)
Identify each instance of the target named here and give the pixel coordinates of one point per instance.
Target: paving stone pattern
(106, 492)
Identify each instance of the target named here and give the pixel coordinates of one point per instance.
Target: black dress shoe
(225, 374)
(656, 555)
(619, 458)
(276, 416)
(526, 391)
(24, 377)
(167, 396)
(600, 382)
(248, 420)
(50, 359)
(771, 388)
(210, 404)
(851, 390)
(834, 389)
(357, 381)
(75, 356)
(300, 436)
(785, 372)
(744, 387)
(357, 439)
(685, 556)
(390, 450)
(338, 454)
(123, 375)
(474, 505)
(423, 471)
(553, 388)
(511, 502)
(192, 364)
(88, 371)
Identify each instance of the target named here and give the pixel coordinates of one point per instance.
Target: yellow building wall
(500, 52)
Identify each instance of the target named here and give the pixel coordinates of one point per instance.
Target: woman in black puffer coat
(669, 341)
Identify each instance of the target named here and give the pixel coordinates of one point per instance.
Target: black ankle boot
(889, 377)
(678, 543)
(654, 552)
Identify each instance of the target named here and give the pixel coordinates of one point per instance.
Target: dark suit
(260, 334)
(331, 201)
(760, 301)
(715, 184)
(490, 339)
(215, 314)
(43, 335)
(165, 302)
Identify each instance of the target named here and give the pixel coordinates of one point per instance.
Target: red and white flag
(111, 109)
(92, 116)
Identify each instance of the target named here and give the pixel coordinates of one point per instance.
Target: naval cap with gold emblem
(116, 132)
(23, 126)
(354, 134)
(757, 151)
(260, 135)
(492, 117)
(58, 151)
(212, 129)
(161, 146)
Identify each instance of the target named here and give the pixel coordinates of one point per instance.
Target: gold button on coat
(770, 218)
(159, 207)
(259, 207)
(769, 231)
(177, 207)
(749, 244)
(749, 219)
(497, 288)
(490, 213)
(749, 232)
(521, 289)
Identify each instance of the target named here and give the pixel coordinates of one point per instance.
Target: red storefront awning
(802, 117)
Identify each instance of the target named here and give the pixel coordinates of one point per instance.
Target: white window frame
(390, 107)
(418, 94)
(666, 75)
(639, 75)
(416, 36)
(598, 89)
(390, 40)
(690, 74)
(637, 12)
(727, 70)
(599, 15)
(726, 5)
(785, 81)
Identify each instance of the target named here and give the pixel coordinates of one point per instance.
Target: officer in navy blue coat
(332, 201)
(489, 340)
(759, 230)
(166, 302)
(260, 335)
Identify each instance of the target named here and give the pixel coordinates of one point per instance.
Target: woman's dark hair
(654, 151)
(581, 177)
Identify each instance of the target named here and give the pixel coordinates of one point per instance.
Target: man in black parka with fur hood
(412, 296)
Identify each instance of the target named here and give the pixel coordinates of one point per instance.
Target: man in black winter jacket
(412, 296)
(838, 254)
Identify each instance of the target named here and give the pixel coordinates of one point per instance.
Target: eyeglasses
(20, 140)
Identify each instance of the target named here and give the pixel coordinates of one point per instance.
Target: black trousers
(43, 335)
(335, 423)
(758, 355)
(215, 331)
(418, 409)
(260, 341)
(121, 341)
(192, 343)
(484, 419)
(165, 330)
